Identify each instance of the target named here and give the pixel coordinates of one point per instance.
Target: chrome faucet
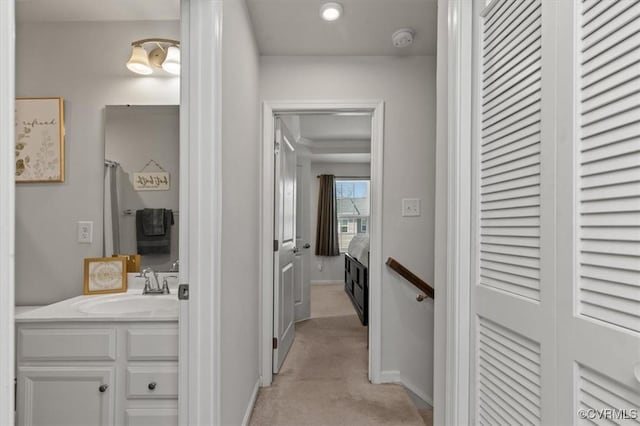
(148, 289)
(175, 266)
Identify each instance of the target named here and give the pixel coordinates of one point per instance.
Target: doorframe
(7, 210)
(200, 194)
(267, 199)
(452, 307)
(201, 211)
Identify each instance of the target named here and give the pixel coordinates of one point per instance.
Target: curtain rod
(348, 177)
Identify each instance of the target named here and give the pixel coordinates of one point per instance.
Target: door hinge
(276, 141)
(275, 343)
(276, 245)
(183, 292)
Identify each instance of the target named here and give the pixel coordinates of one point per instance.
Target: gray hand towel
(154, 244)
(153, 222)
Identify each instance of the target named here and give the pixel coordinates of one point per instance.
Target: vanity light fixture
(165, 55)
(331, 11)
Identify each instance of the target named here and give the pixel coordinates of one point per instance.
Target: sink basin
(122, 304)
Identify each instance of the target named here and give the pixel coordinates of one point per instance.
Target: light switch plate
(85, 232)
(410, 207)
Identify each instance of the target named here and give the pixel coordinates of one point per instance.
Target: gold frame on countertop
(114, 268)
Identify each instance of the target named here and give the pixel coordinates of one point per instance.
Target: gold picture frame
(105, 275)
(39, 140)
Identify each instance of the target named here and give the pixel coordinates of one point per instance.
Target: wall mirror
(141, 183)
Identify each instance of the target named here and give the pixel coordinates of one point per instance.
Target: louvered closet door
(599, 315)
(512, 292)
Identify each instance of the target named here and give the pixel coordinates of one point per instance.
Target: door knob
(152, 385)
(306, 246)
(103, 388)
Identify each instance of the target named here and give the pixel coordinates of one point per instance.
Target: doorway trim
(7, 210)
(269, 108)
(200, 160)
(453, 218)
(201, 215)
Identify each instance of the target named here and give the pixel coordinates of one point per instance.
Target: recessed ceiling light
(331, 11)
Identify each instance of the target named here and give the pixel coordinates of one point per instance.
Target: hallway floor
(323, 381)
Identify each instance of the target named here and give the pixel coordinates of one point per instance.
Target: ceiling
(97, 10)
(294, 27)
(334, 138)
(282, 27)
(328, 128)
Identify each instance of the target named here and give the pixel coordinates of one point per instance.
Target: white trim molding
(376, 108)
(394, 376)
(7, 208)
(327, 282)
(454, 410)
(200, 204)
(252, 403)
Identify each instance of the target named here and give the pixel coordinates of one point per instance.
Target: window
(352, 198)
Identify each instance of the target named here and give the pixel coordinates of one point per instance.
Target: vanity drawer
(66, 344)
(152, 344)
(152, 382)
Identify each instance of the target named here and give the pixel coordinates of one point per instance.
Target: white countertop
(81, 308)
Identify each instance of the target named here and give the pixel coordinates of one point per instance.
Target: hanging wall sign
(151, 181)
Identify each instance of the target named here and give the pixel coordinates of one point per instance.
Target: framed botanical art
(105, 275)
(39, 136)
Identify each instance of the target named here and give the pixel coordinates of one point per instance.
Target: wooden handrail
(411, 277)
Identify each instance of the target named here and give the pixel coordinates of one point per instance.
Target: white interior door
(513, 290)
(599, 214)
(285, 243)
(302, 286)
(556, 300)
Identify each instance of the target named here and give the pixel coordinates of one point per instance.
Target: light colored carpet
(427, 416)
(330, 301)
(324, 382)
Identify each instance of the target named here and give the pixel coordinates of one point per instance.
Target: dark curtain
(327, 228)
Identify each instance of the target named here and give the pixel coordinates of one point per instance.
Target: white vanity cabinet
(97, 373)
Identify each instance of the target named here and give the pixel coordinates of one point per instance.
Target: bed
(356, 275)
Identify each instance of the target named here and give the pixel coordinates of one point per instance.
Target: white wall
(240, 213)
(84, 63)
(332, 267)
(407, 85)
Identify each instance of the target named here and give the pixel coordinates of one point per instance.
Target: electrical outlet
(410, 207)
(319, 266)
(85, 232)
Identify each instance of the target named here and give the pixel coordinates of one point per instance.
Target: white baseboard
(394, 376)
(327, 282)
(252, 403)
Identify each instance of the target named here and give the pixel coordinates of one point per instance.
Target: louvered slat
(520, 88)
(598, 391)
(609, 175)
(606, 75)
(510, 148)
(508, 375)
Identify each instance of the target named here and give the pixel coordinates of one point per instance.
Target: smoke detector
(403, 37)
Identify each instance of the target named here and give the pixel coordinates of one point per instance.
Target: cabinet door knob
(103, 388)
(152, 385)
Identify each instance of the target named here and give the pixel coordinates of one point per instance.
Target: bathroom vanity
(99, 360)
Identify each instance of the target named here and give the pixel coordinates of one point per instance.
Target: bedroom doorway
(309, 289)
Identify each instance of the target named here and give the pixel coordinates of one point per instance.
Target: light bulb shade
(139, 61)
(171, 63)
